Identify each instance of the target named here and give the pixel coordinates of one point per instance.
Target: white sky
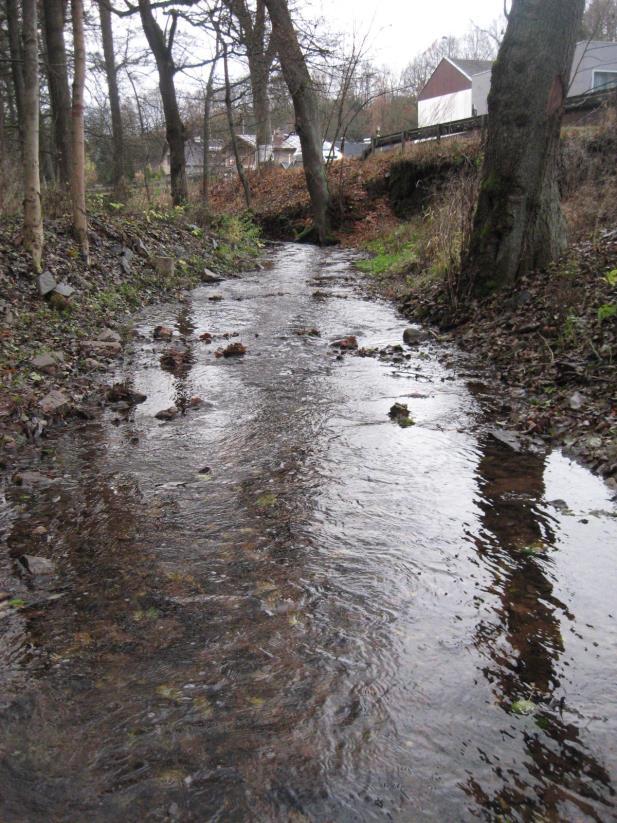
(401, 29)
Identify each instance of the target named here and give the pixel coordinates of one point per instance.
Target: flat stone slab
(64, 290)
(47, 283)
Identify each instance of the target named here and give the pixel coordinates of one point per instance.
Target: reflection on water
(283, 606)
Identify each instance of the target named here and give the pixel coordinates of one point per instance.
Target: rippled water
(339, 621)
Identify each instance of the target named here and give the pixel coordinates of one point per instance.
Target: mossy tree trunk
(518, 224)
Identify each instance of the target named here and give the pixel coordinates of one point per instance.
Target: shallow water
(338, 621)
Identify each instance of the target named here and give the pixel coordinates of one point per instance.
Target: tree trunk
(306, 110)
(174, 127)
(118, 164)
(33, 222)
(205, 180)
(260, 55)
(232, 133)
(17, 71)
(59, 94)
(78, 176)
(518, 225)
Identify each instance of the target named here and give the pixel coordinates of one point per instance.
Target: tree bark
(260, 55)
(57, 72)
(78, 175)
(17, 70)
(117, 136)
(306, 110)
(174, 127)
(33, 222)
(205, 180)
(232, 133)
(518, 224)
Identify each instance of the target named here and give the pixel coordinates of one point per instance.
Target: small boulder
(412, 336)
(100, 348)
(346, 343)
(167, 414)
(164, 266)
(109, 336)
(48, 362)
(55, 402)
(206, 337)
(59, 301)
(38, 566)
(398, 411)
(162, 333)
(209, 276)
(120, 392)
(47, 283)
(233, 350)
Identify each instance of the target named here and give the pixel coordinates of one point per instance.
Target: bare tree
(208, 95)
(78, 175)
(162, 48)
(111, 72)
(232, 132)
(57, 73)
(306, 109)
(518, 225)
(260, 54)
(33, 222)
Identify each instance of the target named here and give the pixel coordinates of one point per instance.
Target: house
(448, 95)
(459, 88)
(194, 156)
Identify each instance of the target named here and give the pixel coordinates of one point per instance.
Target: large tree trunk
(17, 71)
(306, 110)
(518, 224)
(33, 222)
(54, 17)
(78, 176)
(174, 127)
(118, 164)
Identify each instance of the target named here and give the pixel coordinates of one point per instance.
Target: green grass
(393, 254)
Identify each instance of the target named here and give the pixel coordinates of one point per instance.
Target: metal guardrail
(582, 102)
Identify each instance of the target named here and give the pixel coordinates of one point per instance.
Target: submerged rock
(167, 414)
(346, 343)
(233, 350)
(120, 392)
(162, 333)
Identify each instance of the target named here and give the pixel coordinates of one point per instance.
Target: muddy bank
(545, 351)
(61, 334)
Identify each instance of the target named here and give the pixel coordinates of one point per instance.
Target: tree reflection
(522, 642)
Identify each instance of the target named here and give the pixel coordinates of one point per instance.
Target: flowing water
(283, 606)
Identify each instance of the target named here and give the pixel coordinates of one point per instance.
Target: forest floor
(547, 349)
(55, 349)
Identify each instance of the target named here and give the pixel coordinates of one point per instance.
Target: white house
(459, 88)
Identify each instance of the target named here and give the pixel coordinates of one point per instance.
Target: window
(605, 79)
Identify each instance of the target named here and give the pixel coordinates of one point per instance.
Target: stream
(284, 606)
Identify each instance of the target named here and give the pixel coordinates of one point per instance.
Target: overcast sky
(401, 29)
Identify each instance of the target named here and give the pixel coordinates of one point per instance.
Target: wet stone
(167, 414)
(346, 343)
(54, 403)
(162, 333)
(412, 337)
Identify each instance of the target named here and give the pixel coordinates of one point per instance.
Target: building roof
(471, 67)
